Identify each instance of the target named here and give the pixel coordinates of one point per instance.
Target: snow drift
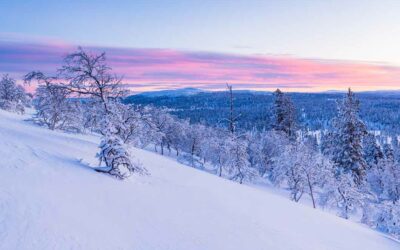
(49, 199)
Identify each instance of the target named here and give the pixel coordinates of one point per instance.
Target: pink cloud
(146, 69)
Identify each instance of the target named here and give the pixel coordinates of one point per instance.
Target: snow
(51, 199)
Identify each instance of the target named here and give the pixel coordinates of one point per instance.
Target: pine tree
(284, 114)
(350, 131)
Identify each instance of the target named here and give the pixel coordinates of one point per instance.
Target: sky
(294, 45)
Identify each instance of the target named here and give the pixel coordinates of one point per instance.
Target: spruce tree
(349, 134)
(284, 114)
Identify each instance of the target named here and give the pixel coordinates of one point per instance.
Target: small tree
(114, 154)
(343, 193)
(303, 170)
(53, 107)
(12, 96)
(238, 164)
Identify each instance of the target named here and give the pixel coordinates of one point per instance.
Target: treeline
(379, 110)
(347, 168)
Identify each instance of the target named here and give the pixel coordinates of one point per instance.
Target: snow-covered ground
(49, 199)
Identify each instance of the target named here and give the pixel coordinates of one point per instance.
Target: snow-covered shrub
(114, 154)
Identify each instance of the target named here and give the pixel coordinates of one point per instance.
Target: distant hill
(173, 92)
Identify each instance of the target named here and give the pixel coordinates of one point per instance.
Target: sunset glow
(151, 69)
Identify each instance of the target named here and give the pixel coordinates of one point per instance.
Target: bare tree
(89, 75)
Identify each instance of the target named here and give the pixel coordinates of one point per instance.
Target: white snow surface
(51, 200)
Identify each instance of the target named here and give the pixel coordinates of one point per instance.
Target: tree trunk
(192, 154)
(311, 191)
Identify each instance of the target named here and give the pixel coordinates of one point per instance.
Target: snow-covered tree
(193, 141)
(114, 154)
(265, 149)
(221, 153)
(12, 96)
(372, 151)
(390, 177)
(347, 150)
(343, 193)
(161, 122)
(53, 107)
(303, 170)
(238, 164)
(284, 114)
(89, 75)
(387, 218)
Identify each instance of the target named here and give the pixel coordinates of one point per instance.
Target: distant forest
(379, 110)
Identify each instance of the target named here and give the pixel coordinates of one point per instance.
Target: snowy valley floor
(49, 199)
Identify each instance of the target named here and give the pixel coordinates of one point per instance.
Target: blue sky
(356, 30)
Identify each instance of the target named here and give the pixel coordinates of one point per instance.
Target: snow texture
(50, 198)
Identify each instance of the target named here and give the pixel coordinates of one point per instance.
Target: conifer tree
(284, 114)
(350, 131)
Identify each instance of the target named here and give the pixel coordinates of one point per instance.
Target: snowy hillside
(50, 200)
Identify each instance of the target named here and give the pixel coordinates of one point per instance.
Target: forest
(380, 110)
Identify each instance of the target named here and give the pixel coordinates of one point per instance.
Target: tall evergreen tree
(284, 114)
(350, 131)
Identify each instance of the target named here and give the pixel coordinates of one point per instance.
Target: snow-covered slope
(49, 200)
